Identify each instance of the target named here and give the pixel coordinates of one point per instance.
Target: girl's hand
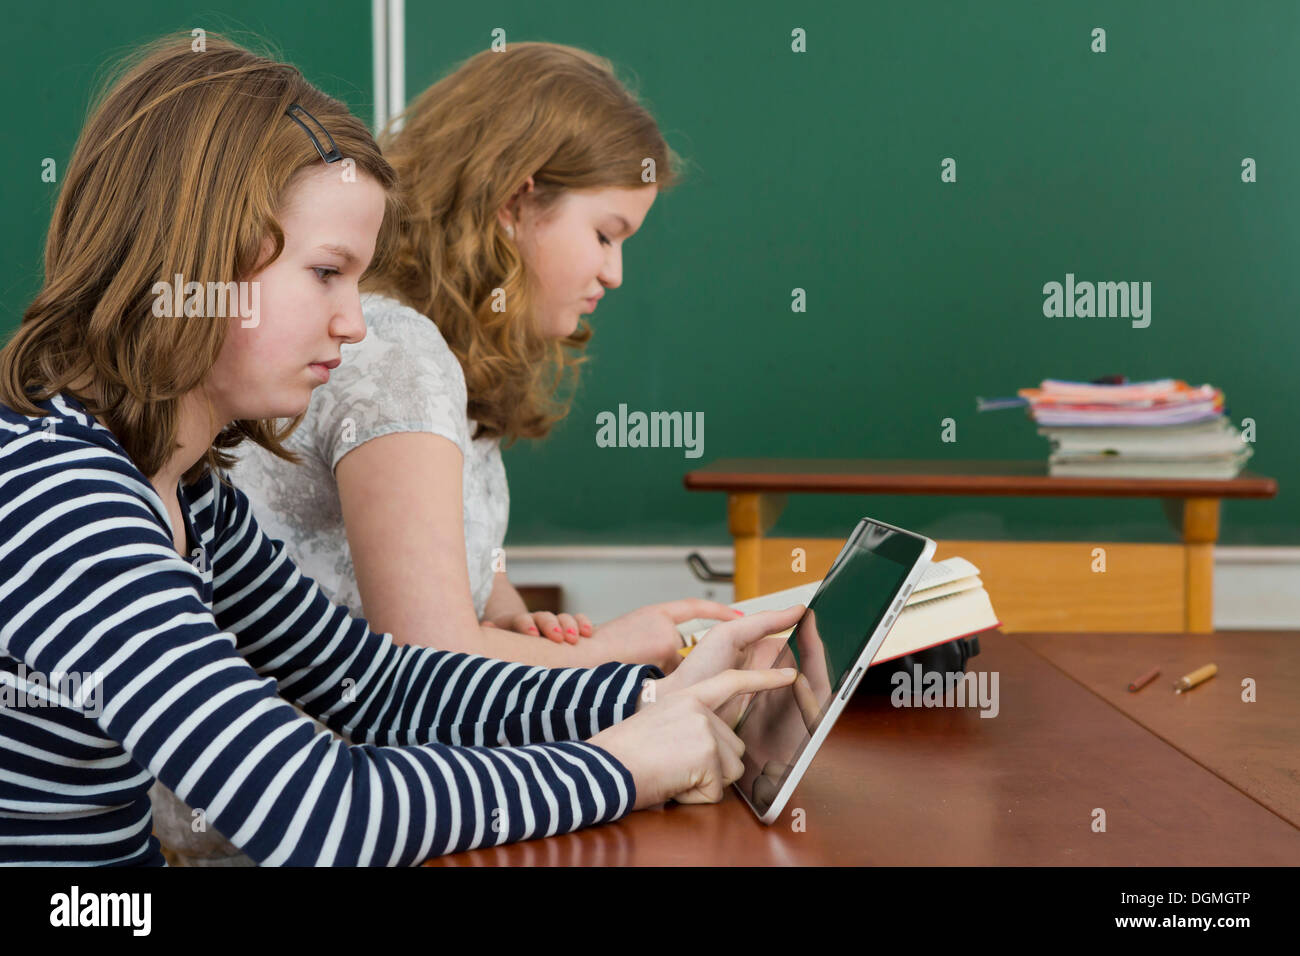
(736, 645)
(679, 749)
(649, 634)
(560, 628)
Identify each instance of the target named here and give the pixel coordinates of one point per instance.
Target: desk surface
(908, 786)
(1254, 746)
(943, 477)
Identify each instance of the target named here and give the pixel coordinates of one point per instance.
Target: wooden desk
(1035, 585)
(1253, 746)
(945, 786)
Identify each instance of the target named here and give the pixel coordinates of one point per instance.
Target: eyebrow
(346, 254)
(627, 226)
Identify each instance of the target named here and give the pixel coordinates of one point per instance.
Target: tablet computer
(832, 646)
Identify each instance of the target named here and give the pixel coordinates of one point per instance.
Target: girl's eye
(603, 240)
(324, 272)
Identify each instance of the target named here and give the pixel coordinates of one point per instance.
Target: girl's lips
(321, 371)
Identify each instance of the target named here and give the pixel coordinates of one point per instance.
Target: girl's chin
(280, 409)
(566, 325)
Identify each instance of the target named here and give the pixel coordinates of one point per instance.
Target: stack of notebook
(1157, 429)
(948, 602)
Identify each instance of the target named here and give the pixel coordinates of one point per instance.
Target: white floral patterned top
(402, 377)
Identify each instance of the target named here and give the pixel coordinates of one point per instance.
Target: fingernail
(571, 630)
(532, 630)
(739, 613)
(555, 630)
(788, 672)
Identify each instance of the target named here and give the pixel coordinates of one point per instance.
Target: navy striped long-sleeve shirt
(120, 661)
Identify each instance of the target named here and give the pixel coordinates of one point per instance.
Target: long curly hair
(461, 150)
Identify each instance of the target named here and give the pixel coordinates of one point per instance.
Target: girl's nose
(350, 323)
(611, 275)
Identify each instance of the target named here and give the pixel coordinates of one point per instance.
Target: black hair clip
(333, 156)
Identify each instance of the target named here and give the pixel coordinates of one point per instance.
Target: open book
(948, 602)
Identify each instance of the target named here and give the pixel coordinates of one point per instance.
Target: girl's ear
(506, 219)
(509, 213)
(263, 254)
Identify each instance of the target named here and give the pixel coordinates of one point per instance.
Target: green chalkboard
(56, 55)
(821, 171)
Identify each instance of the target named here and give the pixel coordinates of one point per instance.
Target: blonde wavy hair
(465, 146)
(180, 168)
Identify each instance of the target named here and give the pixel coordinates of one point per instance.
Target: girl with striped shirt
(127, 557)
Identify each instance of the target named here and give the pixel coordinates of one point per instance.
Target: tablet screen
(824, 646)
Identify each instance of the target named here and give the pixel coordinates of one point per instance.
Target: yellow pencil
(1189, 681)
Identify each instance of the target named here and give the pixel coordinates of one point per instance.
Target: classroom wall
(821, 171)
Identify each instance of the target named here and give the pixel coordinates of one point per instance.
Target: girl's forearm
(531, 649)
(501, 644)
